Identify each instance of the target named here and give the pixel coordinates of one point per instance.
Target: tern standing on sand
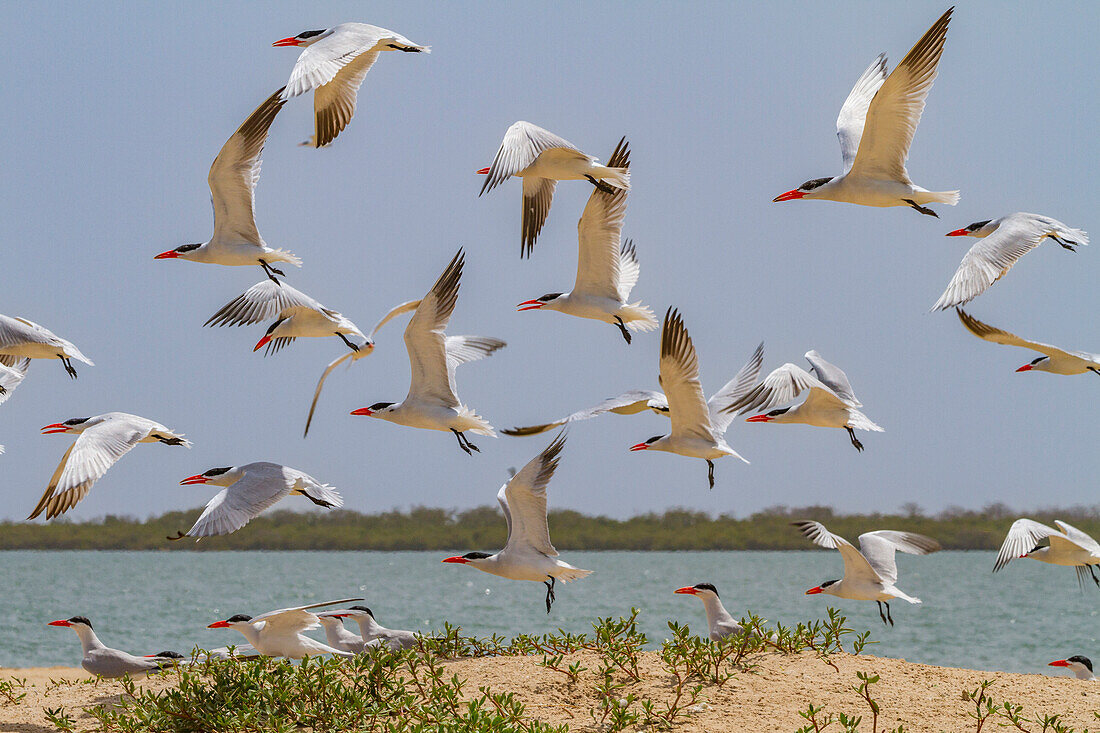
(107, 662)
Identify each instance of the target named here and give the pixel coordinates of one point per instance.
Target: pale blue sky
(113, 114)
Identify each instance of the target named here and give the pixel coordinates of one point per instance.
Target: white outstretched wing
(264, 301)
(425, 338)
(879, 547)
(735, 390)
(853, 114)
(524, 501)
(680, 381)
(628, 403)
(1023, 536)
(998, 336)
(832, 377)
(856, 566)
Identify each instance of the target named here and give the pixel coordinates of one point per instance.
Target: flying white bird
(628, 403)
(698, 425)
(373, 633)
(830, 404)
(334, 63)
(871, 571)
(249, 490)
(233, 177)
(101, 441)
(23, 339)
(432, 402)
(1056, 361)
(106, 662)
(11, 377)
(1079, 665)
(1003, 241)
(295, 313)
(528, 554)
(541, 159)
(720, 623)
(1066, 545)
(607, 267)
(279, 633)
(366, 349)
(876, 127)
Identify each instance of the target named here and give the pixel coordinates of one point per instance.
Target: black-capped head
(239, 617)
(168, 655)
(476, 555)
(977, 225)
(305, 38)
(813, 183)
(274, 325)
(77, 421)
(830, 583)
(706, 586)
(777, 413)
(216, 471)
(80, 620)
(1081, 660)
(377, 406)
(364, 609)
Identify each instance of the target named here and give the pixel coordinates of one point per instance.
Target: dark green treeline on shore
(483, 529)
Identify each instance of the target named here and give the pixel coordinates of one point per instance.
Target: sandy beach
(920, 697)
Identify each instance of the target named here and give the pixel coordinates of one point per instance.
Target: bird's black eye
(310, 34)
(217, 471)
(187, 247)
(76, 421)
(548, 297)
(815, 183)
(274, 325)
(654, 439)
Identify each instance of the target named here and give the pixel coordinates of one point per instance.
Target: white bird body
(279, 633)
(1067, 546)
(432, 402)
(11, 377)
(1003, 242)
(100, 659)
(101, 441)
(1055, 360)
(528, 553)
(232, 179)
(698, 425)
(333, 65)
(875, 127)
(871, 572)
(23, 339)
(628, 403)
(374, 633)
(249, 490)
(339, 637)
(541, 159)
(295, 315)
(1079, 665)
(831, 402)
(720, 623)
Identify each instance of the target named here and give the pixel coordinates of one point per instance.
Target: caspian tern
(1080, 666)
(279, 633)
(830, 404)
(720, 623)
(432, 402)
(876, 127)
(541, 159)
(334, 63)
(336, 636)
(249, 490)
(232, 179)
(1056, 361)
(607, 267)
(1066, 545)
(871, 571)
(365, 349)
(106, 662)
(628, 403)
(11, 377)
(1003, 242)
(101, 441)
(528, 554)
(23, 339)
(295, 313)
(374, 633)
(698, 425)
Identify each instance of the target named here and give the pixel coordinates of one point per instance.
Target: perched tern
(1003, 242)
(366, 349)
(233, 177)
(720, 623)
(279, 633)
(541, 159)
(11, 377)
(23, 339)
(249, 490)
(1066, 545)
(334, 63)
(830, 404)
(871, 571)
(698, 425)
(106, 662)
(876, 127)
(1055, 361)
(432, 402)
(336, 636)
(628, 403)
(607, 267)
(295, 313)
(528, 554)
(1080, 666)
(101, 441)
(374, 633)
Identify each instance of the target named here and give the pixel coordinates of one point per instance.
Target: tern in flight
(23, 339)
(1066, 545)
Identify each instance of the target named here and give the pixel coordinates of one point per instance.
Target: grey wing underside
(628, 403)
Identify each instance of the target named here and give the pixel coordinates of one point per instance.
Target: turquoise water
(144, 602)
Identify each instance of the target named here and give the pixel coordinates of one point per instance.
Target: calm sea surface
(144, 602)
